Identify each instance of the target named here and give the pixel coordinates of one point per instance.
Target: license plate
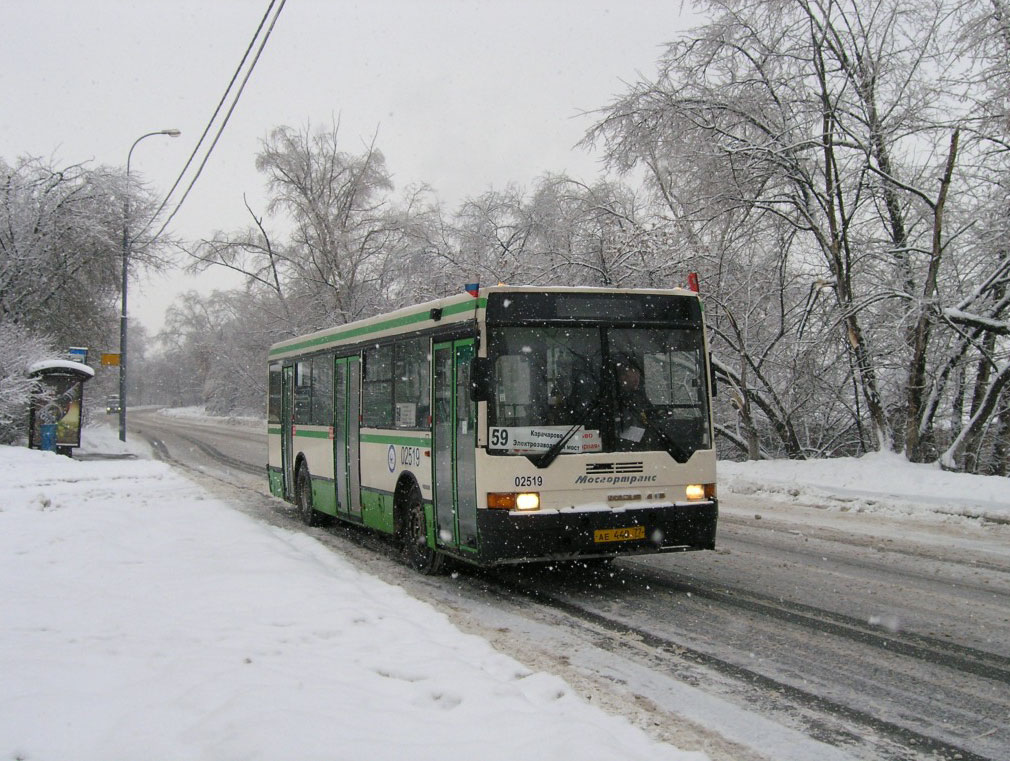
(618, 534)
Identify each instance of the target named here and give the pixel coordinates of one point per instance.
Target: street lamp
(126, 260)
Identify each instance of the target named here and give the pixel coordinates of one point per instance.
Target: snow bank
(200, 413)
(881, 481)
(143, 619)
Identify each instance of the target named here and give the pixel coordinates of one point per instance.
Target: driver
(632, 403)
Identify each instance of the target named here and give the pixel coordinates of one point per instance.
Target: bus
(504, 425)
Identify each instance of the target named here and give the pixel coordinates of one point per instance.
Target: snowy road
(808, 633)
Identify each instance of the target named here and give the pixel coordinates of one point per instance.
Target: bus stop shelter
(56, 413)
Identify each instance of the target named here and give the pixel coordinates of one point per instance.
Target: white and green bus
(505, 425)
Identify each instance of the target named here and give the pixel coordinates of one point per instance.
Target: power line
(214, 116)
(217, 110)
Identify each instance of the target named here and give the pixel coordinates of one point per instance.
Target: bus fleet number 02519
(410, 457)
(528, 482)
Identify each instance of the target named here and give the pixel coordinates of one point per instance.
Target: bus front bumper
(510, 537)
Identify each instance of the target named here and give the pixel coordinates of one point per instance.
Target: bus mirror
(711, 368)
(480, 379)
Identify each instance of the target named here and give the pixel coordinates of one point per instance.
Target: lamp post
(126, 261)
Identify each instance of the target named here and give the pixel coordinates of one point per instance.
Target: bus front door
(454, 422)
(346, 414)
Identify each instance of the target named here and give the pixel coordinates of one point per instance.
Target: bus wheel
(416, 552)
(303, 497)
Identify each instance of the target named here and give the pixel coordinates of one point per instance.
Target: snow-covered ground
(141, 618)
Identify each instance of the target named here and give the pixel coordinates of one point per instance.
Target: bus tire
(303, 497)
(416, 552)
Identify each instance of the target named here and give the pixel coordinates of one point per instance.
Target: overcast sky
(465, 96)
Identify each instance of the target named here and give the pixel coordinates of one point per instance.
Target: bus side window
(322, 390)
(302, 414)
(377, 388)
(410, 383)
(274, 397)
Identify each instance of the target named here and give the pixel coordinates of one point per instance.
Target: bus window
(274, 396)
(514, 389)
(377, 388)
(411, 383)
(322, 391)
(672, 378)
(547, 379)
(303, 393)
(674, 381)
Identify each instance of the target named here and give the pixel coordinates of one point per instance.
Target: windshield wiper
(545, 459)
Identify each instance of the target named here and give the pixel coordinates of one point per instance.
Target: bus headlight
(527, 501)
(697, 492)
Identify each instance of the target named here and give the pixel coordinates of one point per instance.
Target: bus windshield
(606, 389)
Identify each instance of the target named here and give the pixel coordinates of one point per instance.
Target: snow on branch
(1000, 327)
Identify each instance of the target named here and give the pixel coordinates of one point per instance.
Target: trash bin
(48, 437)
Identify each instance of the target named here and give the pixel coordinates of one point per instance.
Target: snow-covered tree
(19, 349)
(61, 248)
(846, 123)
(346, 239)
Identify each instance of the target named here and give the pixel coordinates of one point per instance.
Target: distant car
(111, 405)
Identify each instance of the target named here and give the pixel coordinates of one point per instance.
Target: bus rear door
(346, 417)
(287, 391)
